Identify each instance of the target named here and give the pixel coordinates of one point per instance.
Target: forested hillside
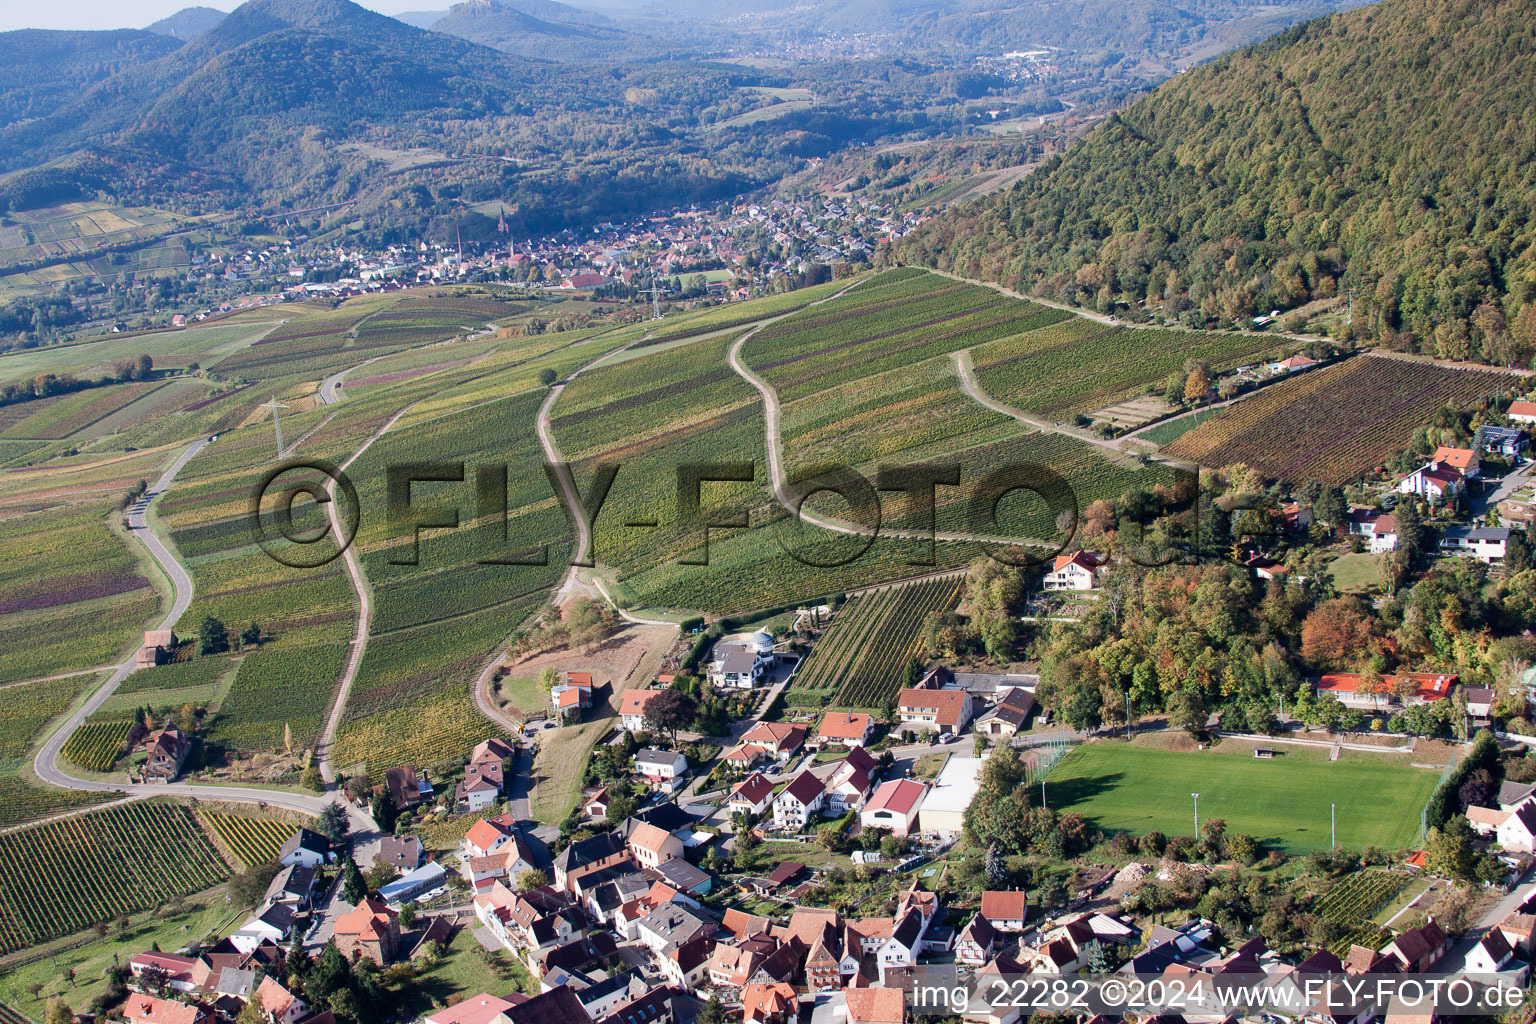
(1388, 149)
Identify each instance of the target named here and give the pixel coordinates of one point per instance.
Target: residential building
(402, 852)
(850, 782)
(1434, 482)
(1417, 949)
(1006, 911)
(1463, 460)
(778, 740)
(651, 846)
(142, 1009)
(181, 973)
(1506, 442)
(586, 856)
(1517, 833)
(279, 1005)
(1008, 715)
(370, 930)
(751, 795)
(272, 923)
(661, 768)
(739, 664)
(165, 750)
(977, 942)
(407, 787)
(946, 712)
(481, 1009)
(1522, 412)
(1484, 543)
(1077, 571)
(775, 1003)
(845, 729)
(801, 799)
(895, 806)
(292, 885)
(632, 708)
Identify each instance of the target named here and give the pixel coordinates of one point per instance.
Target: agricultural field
(861, 661)
(26, 710)
(1353, 901)
(63, 876)
(1077, 366)
(96, 746)
(251, 840)
(1337, 423)
(280, 694)
(1283, 803)
(62, 564)
(886, 322)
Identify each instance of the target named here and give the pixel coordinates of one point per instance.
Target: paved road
(1455, 959)
(331, 384)
(46, 762)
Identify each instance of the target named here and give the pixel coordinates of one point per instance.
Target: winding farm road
(46, 763)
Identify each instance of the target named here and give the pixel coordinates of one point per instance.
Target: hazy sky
(139, 13)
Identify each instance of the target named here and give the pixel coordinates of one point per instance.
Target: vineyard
(1337, 423)
(1077, 366)
(1353, 901)
(96, 746)
(66, 875)
(252, 840)
(862, 660)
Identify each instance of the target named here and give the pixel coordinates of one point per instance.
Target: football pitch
(1282, 802)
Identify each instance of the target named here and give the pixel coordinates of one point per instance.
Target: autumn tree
(1335, 633)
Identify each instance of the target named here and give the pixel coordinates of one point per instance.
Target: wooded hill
(1387, 149)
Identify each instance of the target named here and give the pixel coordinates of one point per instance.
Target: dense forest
(1386, 152)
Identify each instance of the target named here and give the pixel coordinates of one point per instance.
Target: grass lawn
(203, 916)
(1356, 572)
(525, 694)
(465, 971)
(1281, 802)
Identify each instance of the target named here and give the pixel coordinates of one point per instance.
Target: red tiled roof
(843, 725)
(753, 788)
(876, 1005)
(633, 702)
(579, 678)
(1429, 686)
(947, 703)
(1004, 906)
(806, 787)
(898, 796)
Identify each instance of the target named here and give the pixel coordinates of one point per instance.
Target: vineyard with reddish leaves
(1337, 423)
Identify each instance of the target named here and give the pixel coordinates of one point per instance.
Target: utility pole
(1333, 829)
(1127, 715)
(1197, 814)
(655, 302)
(1351, 317)
(275, 405)
(1042, 791)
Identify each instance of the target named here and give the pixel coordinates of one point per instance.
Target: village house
(570, 698)
(1008, 714)
(407, 787)
(1077, 571)
(802, 798)
(1417, 949)
(976, 942)
(1485, 543)
(305, 847)
(894, 806)
(1522, 412)
(279, 1005)
(844, 728)
(1506, 442)
(850, 782)
(652, 846)
(1434, 482)
(142, 1009)
(1006, 911)
(751, 795)
(586, 856)
(632, 708)
(1401, 688)
(775, 1003)
(272, 923)
(404, 853)
(778, 740)
(165, 750)
(181, 973)
(484, 775)
(1463, 460)
(1517, 832)
(945, 712)
(661, 769)
(738, 666)
(371, 930)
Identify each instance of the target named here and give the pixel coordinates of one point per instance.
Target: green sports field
(1281, 802)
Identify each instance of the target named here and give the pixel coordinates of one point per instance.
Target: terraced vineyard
(252, 840)
(1337, 423)
(63, 876)
(96, 746)
(862, 659)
